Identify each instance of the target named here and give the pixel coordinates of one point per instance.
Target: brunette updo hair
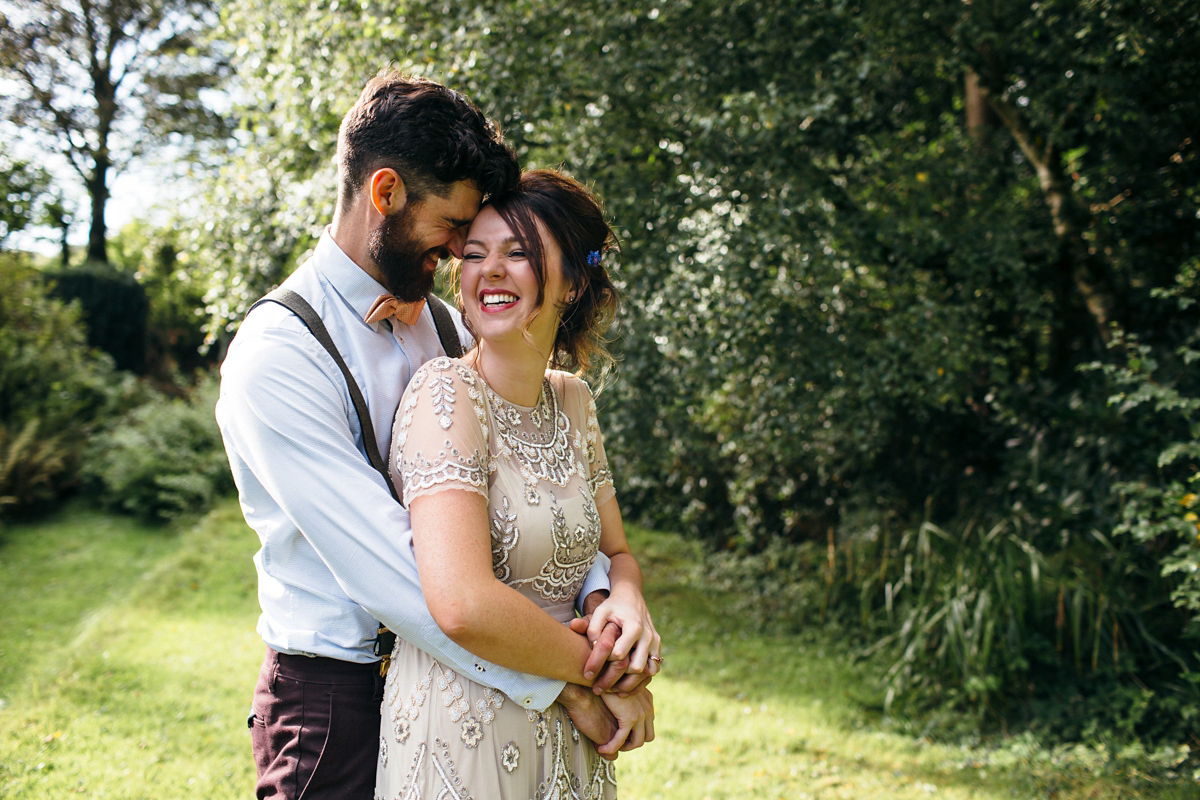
(574, 217)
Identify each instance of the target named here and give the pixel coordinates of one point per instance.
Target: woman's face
(499, 287)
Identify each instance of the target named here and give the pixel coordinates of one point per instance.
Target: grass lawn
(127, 657)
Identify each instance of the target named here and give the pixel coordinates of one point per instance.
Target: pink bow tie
(388, 306)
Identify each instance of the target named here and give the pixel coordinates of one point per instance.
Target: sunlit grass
(147, 696)
(129, 655)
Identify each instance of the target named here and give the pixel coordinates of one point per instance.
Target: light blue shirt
(337, 551)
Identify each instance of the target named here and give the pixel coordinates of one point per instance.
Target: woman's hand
(623, 635)
(622, 618)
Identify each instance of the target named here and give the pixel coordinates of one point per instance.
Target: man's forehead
(459, 206)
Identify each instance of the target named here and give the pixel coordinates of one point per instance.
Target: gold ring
(657, 660)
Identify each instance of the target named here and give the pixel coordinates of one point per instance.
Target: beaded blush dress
(544, 473)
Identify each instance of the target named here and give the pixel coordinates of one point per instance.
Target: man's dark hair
(431, 135)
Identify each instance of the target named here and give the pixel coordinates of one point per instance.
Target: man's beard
(401, 258)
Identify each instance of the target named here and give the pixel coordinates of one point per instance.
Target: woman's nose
(493, 265)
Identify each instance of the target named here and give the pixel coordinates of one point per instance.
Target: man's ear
(386, 190)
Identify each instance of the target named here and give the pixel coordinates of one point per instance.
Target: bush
(54, 390)
(162, 459)
(115, 309)
(156, 256)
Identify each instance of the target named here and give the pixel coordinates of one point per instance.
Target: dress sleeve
(600, 480)
(439, 440)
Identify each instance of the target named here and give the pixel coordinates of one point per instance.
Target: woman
(501, 464)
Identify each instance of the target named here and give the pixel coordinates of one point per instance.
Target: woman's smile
(492, 300)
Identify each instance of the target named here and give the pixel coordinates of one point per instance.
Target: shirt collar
(358, 289)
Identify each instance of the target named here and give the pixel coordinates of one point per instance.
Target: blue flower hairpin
(594, 258)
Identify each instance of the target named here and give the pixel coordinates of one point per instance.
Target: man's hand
(601, 647)
(593, 600)
(635, 721)
(594, 720)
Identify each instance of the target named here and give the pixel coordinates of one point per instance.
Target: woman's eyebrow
(509, 240)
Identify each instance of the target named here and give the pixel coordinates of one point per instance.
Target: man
(415, 160)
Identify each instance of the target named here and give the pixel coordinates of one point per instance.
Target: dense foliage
(54, 390)
(155, 257)
(21, 185)
(869, 253)
(162, 459)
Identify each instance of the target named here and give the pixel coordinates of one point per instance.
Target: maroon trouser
(315, 728)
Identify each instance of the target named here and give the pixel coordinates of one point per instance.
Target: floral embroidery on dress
(448, 465)
(441, 394)
(432, 465)
(504, 538)
(562, 782)
(544, 456)
(403, 715)
(537, 467)
(472, 732)
(487, 705)
(574, 553)
(448, 683)
(599, 474)
(449, 773)
(509, 756)
(603, 772)
(452, 695)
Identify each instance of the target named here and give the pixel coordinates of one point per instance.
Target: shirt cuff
(596, 581)
(543, 698)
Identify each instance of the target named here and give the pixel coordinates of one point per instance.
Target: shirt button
(480, 668)
(528, 701)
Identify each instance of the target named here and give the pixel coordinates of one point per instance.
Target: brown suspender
(447, 335)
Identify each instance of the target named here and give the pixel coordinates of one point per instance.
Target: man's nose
(455, 245)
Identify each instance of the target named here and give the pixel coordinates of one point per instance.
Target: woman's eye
(472, 256)
(517, 254)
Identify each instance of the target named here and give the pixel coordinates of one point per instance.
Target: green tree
(21, 185)
(100, 82)
(866, 249)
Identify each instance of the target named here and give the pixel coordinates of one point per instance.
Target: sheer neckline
(543, 394)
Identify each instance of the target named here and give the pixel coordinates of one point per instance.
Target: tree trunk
(65, 251)
(980, 117)
(97, 186)
(1091, 278)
